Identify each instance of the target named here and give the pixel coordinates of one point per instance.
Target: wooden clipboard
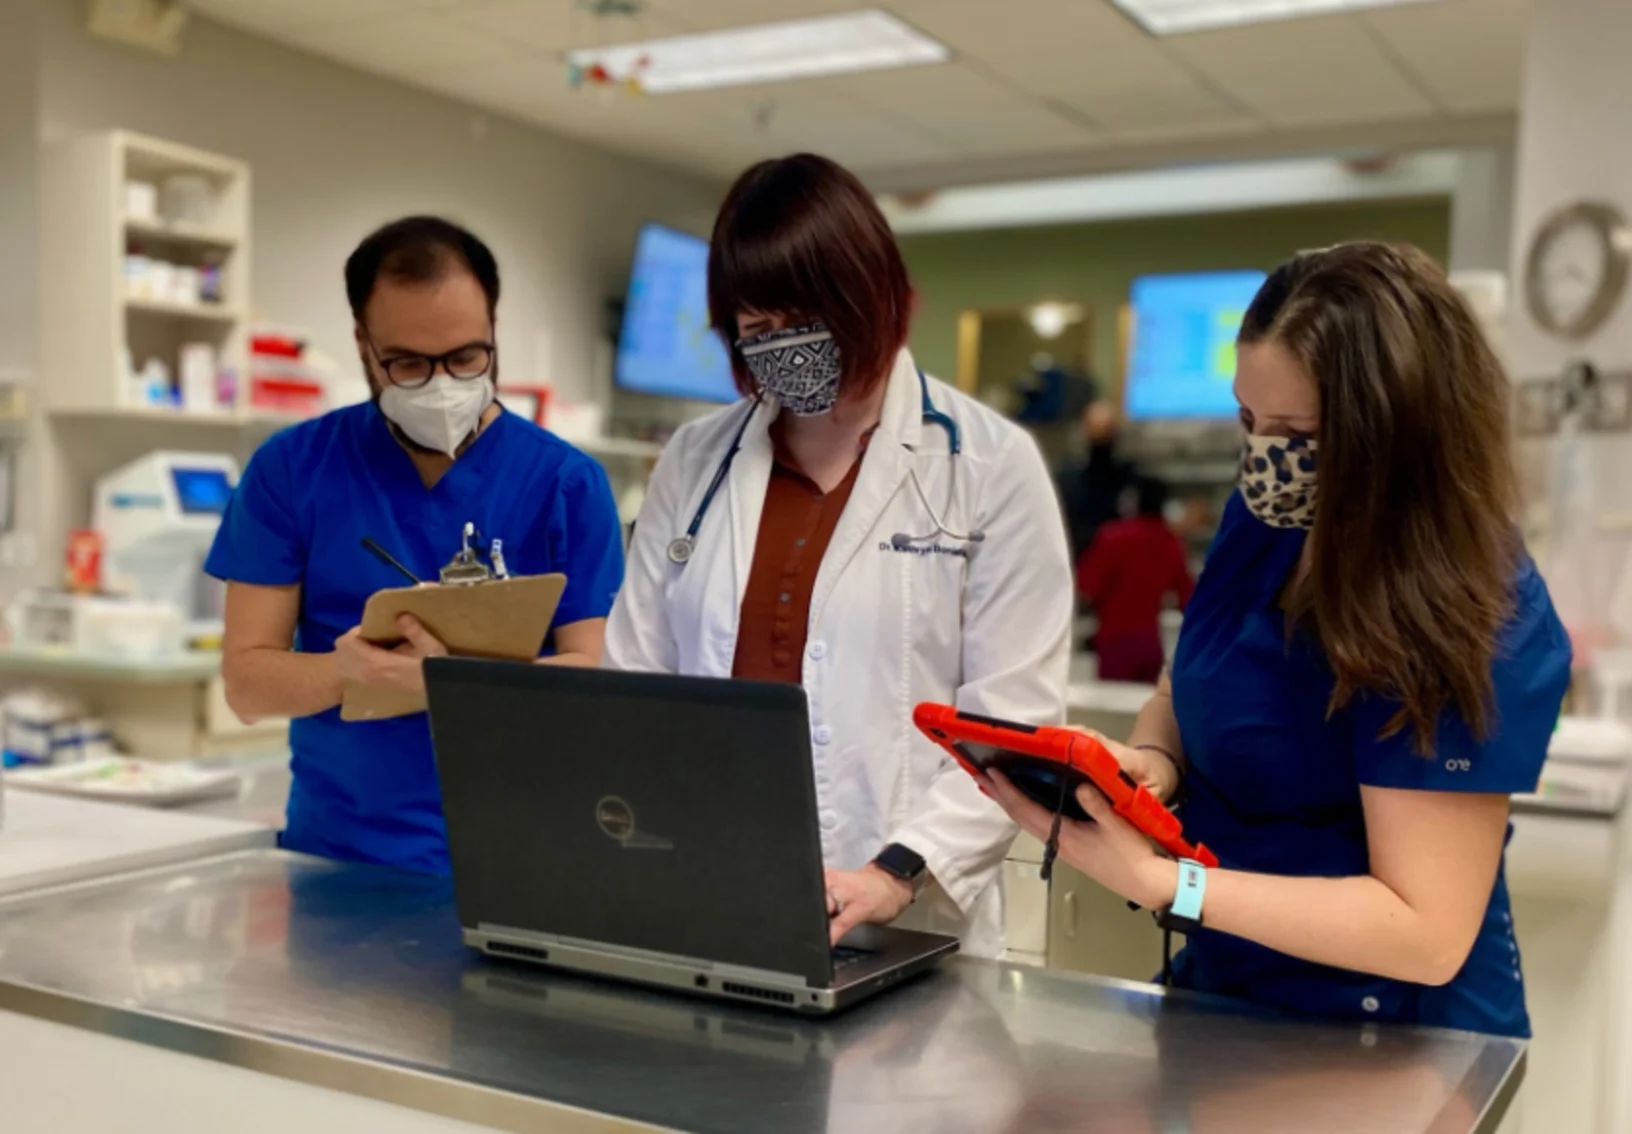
(504, 619)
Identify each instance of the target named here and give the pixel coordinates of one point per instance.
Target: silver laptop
(649, 828)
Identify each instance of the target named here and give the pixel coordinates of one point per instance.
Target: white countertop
(48, 840)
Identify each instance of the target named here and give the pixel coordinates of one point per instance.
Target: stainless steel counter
(354, 978)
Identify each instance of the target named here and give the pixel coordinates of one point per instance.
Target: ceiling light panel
(868, 40)
(1171, 17)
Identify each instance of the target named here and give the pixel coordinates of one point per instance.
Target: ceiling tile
(657, 129)
(1029, 76)
(972, 114)
(707, 15)
(557, 25)
(1468, 72)
(1127, 86)
(294, 13)
(990, 27)
(1190, 132)
(820, 116)
(406, 46)
(1308, 72)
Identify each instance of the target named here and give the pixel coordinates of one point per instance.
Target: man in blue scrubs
(431, 452)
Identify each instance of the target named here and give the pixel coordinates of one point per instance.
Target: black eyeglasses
(411, 371)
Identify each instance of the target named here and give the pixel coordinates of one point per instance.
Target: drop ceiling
(1034, 87)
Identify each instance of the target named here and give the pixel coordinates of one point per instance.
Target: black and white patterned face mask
(1278, 480)
(798, 366)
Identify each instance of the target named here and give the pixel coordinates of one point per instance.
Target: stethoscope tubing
(680, 548)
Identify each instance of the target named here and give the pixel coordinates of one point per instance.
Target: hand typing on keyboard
(863, 897)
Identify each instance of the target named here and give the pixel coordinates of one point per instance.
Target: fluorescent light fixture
(868, 40)
(1171, 17)
(1173, 192)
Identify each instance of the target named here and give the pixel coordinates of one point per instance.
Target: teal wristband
(1186, 907)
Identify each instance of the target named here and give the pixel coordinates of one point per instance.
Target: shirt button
(1370, 1004)
(830, 821)
(798, 543)
(784, 598)
(822, 735)
(818, 651)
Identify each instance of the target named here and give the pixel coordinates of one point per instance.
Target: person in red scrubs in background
(1126, 574)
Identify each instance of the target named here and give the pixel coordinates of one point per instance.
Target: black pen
(388, 559)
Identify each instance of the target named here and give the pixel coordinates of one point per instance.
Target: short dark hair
(418, 250)
(1152, 495)
(801, 235)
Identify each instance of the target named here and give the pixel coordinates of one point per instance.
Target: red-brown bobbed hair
(801, 236)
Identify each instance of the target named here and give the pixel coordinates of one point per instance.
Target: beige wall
(1095, 264)
(335, 152)
(19, 307)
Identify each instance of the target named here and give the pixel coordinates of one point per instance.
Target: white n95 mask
(440, 414)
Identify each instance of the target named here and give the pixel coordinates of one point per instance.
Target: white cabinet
(113, 281)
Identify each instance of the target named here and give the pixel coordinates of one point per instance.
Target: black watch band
(904, 863)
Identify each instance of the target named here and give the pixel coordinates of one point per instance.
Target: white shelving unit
(88, 315)
(164, 415)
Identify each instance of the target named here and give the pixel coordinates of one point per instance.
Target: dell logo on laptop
(615, 818)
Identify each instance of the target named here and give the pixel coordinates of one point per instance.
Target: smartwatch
(1184, 915)
(904, 863)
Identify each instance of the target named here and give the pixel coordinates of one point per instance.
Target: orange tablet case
(1036, 757)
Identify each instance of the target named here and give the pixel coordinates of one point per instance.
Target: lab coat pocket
(933, 574)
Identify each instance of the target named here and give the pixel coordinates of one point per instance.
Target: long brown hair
(1414, 547)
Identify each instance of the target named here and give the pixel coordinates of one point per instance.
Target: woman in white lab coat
(860, 528)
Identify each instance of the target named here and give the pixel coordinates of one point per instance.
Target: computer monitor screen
(666, 345)
(1181, 361)
(202, 492)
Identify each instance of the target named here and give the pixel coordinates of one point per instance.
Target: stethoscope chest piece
(680, 550)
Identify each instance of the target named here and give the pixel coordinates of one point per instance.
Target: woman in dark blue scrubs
(1369, 668)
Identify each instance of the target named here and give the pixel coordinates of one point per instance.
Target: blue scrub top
(368, 791)
(1274, 785)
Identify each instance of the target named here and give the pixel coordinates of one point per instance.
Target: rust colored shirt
(795, 527)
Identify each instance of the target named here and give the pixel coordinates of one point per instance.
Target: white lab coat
(888, 629)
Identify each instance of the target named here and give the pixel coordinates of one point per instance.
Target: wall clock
(1576, 269)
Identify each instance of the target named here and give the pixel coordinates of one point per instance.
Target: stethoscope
(682, 547)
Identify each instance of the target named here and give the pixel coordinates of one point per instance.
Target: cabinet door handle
(1070, 904)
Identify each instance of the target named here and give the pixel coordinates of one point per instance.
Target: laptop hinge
(723, 969)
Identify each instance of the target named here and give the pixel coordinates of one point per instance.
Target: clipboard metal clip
(467, 567)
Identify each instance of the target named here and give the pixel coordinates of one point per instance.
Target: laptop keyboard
(844, 956)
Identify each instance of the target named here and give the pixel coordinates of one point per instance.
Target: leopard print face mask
(1278, 480)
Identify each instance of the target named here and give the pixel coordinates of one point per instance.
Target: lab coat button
(818, 651)
(1370, 1004)
(829, 821)
(822, 735)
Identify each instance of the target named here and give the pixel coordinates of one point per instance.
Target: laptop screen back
(648, 811)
